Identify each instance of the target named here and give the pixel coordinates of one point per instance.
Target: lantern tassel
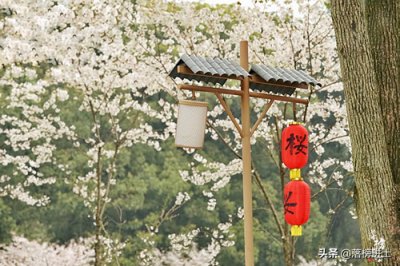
(296, 230)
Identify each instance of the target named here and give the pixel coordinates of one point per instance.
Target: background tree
(368, 42)
(63, 56)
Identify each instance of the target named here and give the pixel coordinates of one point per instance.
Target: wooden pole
(246, 158)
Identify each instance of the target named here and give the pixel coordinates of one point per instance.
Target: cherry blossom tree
(29, 139)
(83, 56)
(105, 59)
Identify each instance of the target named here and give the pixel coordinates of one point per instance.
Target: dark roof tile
(219, 69)
(276, 74)
(290, 78)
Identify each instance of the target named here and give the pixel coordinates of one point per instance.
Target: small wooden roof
(262, 78)
(280, 80)
(208, 70)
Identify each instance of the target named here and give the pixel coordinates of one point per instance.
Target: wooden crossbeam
(240, 93)
(278, 98)
(209, 89)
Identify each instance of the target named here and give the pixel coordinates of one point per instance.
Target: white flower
(181, 198)
(211, 204)
(62, 95)
(240, 213)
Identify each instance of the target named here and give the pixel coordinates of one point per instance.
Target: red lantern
(297, 198)
(294, 148)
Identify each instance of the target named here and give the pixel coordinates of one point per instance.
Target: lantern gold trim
(295, 174)
(296, 230)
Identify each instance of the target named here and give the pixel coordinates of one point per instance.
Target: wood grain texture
(376, 192)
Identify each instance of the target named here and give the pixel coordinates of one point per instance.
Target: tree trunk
(368, 113)
(383, 18)
(383, 22)
(98, 247)
(288, 248)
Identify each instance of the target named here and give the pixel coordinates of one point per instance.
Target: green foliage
(7, 223)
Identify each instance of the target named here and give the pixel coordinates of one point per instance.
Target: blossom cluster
(23, 251)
